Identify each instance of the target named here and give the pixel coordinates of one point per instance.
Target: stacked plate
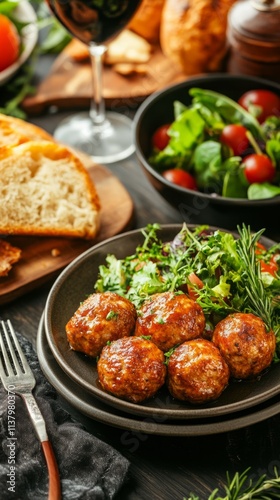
(75, 376)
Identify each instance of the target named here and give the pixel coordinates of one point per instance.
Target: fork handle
(39, 424)
(54, 481)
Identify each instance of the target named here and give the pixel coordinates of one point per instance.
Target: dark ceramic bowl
(197, 207)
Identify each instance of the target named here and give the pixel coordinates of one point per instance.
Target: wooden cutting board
(68, 84)
(38, 264)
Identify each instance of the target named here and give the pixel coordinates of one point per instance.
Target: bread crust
(20, 131)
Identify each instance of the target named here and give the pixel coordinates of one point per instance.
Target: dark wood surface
(162, 467)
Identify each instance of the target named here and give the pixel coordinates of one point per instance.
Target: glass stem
(97, 107)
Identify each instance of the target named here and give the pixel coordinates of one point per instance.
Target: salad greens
(195, 145)
(229, 268)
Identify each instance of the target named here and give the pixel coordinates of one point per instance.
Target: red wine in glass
(106, 137)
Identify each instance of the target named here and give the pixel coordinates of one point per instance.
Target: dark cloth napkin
(89, 468)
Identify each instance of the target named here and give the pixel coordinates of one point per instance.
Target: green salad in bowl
(221, 146)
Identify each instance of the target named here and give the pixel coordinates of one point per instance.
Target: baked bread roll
(45, 190)
(16, 131)
(193, 33)
(146, 21)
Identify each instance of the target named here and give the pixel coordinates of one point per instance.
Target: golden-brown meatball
(170, 319)
(102, 317)
(131, 368)
(197, 372)
(246, 345)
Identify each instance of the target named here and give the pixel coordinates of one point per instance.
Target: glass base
(111, 142)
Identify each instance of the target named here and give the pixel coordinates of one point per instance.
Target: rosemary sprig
(240, 487)
(259, 302)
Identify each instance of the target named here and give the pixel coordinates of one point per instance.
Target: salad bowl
(197, 206)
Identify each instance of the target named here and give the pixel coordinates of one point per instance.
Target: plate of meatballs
(165, 321)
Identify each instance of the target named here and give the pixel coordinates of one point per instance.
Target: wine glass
(106, 137)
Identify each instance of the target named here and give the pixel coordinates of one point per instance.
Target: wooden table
(162, 467)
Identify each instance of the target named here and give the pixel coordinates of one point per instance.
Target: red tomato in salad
(195, 280)
(258, 168)
(234, 136)
(260, 248)
(268, 101)
(160, 138)
(9, 43)
(180, 177)
(269, 267)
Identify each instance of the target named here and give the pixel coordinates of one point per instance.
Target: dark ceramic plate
(95, 409)
(73, 286)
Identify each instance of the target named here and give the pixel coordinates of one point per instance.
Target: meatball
(197, 372)
(170, 319)
(131, 368)
(246, 345)
(101, 318)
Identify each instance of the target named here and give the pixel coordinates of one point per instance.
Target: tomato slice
(269, 267)
(260, 248)
(195, 280)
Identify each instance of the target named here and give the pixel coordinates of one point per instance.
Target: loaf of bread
(146, 21)
(45, 190)
(193, 33)
(16, 131)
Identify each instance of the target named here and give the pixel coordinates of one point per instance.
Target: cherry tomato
(260, 248)
(269, 267)
(9, 43)
(195, 280)
(258, 168)
(160, 138)
(268, 101)
(180, 177)
(234, 136)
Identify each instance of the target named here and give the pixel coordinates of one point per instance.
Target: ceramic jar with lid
(253, 37)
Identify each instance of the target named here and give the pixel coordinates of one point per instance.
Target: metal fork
(20, 380)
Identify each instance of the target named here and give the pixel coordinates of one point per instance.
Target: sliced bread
(46, 190)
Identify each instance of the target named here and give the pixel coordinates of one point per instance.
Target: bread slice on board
(45, 190)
